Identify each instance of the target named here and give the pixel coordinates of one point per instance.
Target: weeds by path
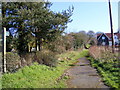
(107, 64)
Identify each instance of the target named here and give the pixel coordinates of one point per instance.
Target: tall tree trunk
(39, 44)
(36, 44)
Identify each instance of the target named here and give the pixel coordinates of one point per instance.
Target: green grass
(42, 76)
(108, 70)
(88, 45)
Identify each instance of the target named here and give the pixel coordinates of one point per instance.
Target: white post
(4, 50)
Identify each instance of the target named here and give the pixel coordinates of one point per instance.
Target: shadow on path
(82, 75)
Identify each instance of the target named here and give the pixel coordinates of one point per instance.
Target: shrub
(92, 42)
(56, 47)
(46, 57)
(27, 59)
(104, 54)
(13, 61)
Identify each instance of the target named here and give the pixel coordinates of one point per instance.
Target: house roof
(118, 34)
(109, 35)
(103, 34)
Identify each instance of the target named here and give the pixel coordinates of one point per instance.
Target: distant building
(106, 40)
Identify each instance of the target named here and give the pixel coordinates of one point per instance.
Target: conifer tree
(34, 19)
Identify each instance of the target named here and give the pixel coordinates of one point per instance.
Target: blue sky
(89, 16)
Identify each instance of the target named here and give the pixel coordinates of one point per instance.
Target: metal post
(4, 50)
(112, 34)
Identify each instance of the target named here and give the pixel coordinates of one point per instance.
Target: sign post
(4, 50)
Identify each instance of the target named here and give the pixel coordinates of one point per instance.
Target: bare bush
(46, 57)
(13, 61)
(103, 53)
(27, 59)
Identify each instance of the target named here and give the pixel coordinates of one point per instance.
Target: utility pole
(111, 25)
(4, 50)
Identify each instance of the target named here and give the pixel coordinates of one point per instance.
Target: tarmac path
(82, 75)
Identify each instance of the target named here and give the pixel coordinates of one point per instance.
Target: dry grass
(99, 52)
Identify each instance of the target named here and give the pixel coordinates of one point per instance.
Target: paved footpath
(82, 75)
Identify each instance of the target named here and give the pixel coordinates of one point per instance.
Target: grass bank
(42, 76)
(108, 70)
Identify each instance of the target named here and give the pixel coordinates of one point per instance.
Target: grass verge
(108, 70)
(42, 76)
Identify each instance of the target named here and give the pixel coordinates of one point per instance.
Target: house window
(110, 43)
(103, 37)
(103, 43)
(115, 37)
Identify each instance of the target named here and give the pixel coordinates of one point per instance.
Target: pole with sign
(4, 50)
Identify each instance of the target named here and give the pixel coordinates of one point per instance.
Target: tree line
(36, 25)
(33, 24)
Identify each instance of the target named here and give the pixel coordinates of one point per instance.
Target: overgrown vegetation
(107, 64)
(13, 61)
(42, 76)
(37, 35)
(46, 57)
